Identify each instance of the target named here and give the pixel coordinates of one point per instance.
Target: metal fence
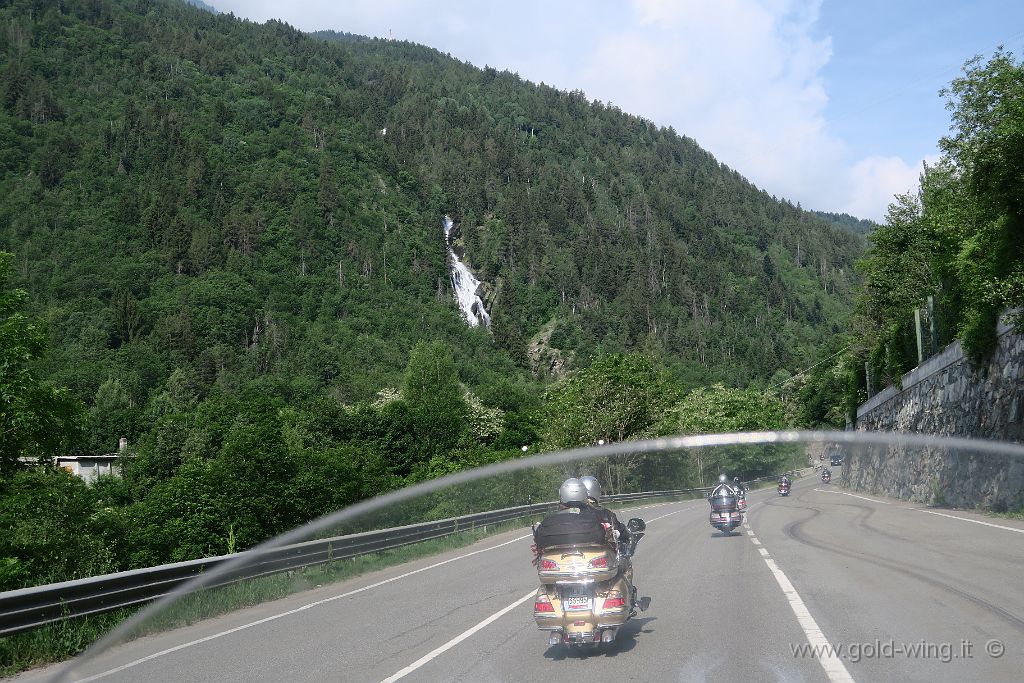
(29, 608)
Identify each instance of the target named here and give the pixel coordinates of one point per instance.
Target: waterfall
(465, 284)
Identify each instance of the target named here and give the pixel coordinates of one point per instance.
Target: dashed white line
(755, 541)
(764, 552)
(457, 639)
(972, 521)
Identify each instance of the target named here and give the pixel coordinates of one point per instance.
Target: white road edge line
(669, 514)
(458, 639)
(290, 612)
(854, 495)
(833, 666)
(972, 521)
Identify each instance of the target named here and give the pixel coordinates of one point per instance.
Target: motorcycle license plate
(572, 602)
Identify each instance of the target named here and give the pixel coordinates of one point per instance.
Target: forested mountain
(189, 190)
(631, 235)
(232, 235)
(859, 226)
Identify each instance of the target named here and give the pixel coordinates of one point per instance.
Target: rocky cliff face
(946, 396)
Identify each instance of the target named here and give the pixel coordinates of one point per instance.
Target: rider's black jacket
(570, 526)
(608, 517)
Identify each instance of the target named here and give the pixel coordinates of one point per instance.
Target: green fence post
(917, 329)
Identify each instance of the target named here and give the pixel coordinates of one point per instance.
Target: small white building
(91, 467)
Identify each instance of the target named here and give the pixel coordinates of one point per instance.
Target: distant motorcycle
(783, 488)
(741, 501)
(826, 476)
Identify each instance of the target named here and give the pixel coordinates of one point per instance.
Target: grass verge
(1009, 514)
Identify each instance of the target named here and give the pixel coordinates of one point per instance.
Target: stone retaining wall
(946, 396)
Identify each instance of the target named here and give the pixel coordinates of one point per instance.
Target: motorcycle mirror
(636, 524)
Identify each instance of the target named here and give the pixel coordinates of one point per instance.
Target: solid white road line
(833, 666)
(854, 495)
(457, 639)
(668, 515)
(293, 611)
(972, 521)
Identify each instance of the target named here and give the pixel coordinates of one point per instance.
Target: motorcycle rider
(572, 498)
(723, 488)
(784, 479)
(593, 487)
(826, 475)
(621, 531)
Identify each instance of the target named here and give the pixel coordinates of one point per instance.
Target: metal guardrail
(29, 608)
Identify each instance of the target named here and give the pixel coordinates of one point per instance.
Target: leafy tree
(618, 397)
(50, 529)
(718, 410)
(439, 415)
(36, 420)
(961, 238)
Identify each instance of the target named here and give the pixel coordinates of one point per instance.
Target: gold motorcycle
(587, 593)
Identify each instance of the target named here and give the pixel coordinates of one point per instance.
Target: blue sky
(831, 103)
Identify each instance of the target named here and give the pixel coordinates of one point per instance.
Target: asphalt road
(903, 593)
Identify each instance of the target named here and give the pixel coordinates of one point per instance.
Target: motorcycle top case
(723, 503)
(577, 562)
(570, 528)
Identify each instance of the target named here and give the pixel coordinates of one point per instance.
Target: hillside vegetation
(231, 234)
(959, 239)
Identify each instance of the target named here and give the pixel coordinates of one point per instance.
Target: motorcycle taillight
(549, 565)
(598, 562)
(614, 600)
(543, 604)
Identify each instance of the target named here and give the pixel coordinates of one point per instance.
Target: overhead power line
(806, 370)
